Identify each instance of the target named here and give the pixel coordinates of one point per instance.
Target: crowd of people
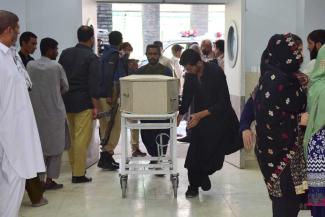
(49, 106)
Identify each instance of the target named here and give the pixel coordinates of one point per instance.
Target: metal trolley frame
(166, 164)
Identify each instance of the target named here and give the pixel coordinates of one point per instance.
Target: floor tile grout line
(229, 205)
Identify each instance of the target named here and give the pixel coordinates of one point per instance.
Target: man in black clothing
(153, 54)
(153, 68)
(28, 43)
(212, 120)
(81, 101)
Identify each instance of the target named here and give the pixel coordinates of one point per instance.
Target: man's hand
(95, 113)
(194, 121)
(304, 119)
(109, 100)
(196, 118)
(248, 138)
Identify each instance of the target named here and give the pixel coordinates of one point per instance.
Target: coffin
(149, 94)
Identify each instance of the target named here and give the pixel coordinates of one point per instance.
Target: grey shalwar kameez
(49, 82)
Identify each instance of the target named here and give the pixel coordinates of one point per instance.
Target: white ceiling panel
(169, 1)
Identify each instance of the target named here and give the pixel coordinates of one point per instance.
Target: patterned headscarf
(264, 64)
(265, 55)
(284, 53)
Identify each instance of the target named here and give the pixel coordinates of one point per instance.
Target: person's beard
(313, 53)
(153, 61)
(205, 52)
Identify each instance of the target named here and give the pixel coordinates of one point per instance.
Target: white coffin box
(149, 94)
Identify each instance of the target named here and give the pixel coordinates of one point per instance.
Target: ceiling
(169, 1)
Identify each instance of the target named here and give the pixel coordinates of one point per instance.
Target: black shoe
(80, 179)
(52, 186)
(107, 162)
(185, 139)
(101, 160)
(114, 162)
(206, 184)
(110, 166)
(110, 158)
(191, 192)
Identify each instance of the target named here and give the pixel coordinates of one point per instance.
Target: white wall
(235, 12)
(18, 7)
(89, 16)
(57, 19)
(314, 18)
(300, 18)
(89, 12)
(263, 19)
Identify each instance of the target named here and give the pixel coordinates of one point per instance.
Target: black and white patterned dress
(316, 169)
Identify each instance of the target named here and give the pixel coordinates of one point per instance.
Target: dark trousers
(34, 189)
(288, 204)
(188, 133)
(150, 138)
(318, 211)
(195, 177)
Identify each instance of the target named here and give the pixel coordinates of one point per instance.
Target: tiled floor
(234, 193)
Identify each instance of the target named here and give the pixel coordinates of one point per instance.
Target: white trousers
(12, 188)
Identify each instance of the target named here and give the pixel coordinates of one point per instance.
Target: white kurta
(178, 71)
(19, 136)
(12, 188)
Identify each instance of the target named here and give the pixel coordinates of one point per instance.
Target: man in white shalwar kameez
(20, 148)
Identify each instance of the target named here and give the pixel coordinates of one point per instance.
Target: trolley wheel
(123, 182)
(175, 181)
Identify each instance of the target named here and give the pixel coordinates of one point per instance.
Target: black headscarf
(264, 65)
(265, 55)
(264, 62)
(284, 53)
